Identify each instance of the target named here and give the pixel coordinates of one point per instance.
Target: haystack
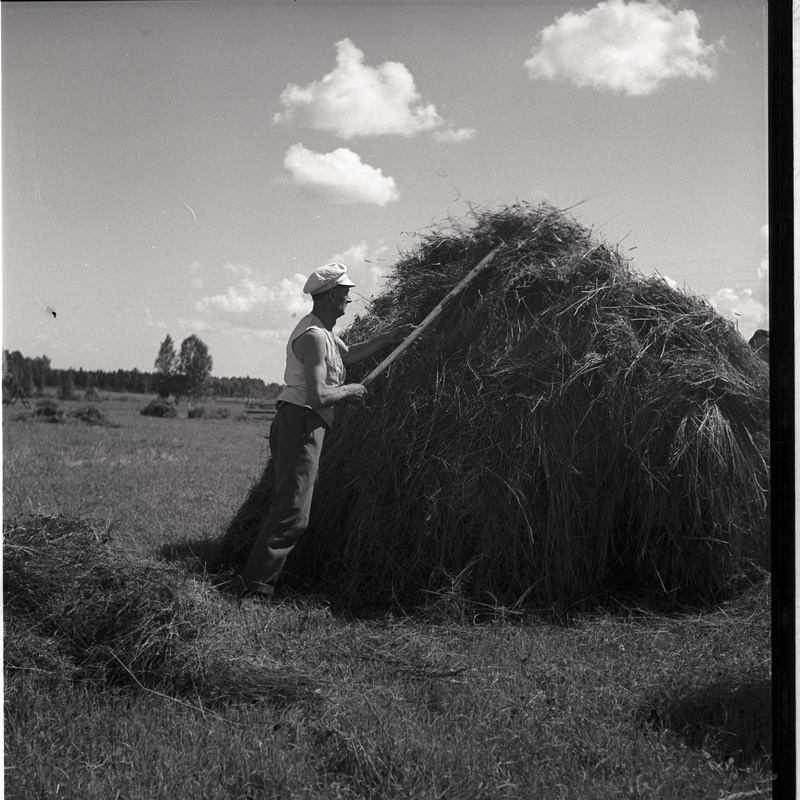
(568, 427)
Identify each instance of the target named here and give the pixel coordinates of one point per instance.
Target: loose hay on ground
(75, 610)
(568, 425)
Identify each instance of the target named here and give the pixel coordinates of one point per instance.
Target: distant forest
(34, 375)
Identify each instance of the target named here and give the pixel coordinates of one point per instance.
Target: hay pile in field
(92, 415)
(160, 407)
(75, 610)
(47, 410)
(567, 426)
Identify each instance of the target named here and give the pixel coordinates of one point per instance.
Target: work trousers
(295, 442)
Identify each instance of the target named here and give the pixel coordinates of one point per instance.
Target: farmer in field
(315, 371)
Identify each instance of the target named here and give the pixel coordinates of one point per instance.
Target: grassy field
(597, 705)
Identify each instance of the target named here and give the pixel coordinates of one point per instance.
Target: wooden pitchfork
(454, 292)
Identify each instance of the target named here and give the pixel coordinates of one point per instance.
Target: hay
(160, 407)
(92, 415)
(47, 410)
(75, 610)
(568, 425)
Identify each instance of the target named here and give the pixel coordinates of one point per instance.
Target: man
(315, 371)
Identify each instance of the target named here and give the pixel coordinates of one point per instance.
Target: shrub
(219, 413)
(160, 407)
(197, 412)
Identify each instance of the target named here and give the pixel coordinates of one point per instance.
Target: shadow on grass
(207, 558)
(728, 720)
(199, 556)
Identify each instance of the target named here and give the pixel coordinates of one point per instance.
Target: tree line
(183, 374)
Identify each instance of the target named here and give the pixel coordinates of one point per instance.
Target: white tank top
(294, 375)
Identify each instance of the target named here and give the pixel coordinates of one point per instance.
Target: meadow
(451, 702)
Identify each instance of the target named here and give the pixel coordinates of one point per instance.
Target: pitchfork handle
(457, 289)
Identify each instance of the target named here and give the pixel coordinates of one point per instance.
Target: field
(455, 702)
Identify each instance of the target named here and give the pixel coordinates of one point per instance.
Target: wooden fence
(262, 410)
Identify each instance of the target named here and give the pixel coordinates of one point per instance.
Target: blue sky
(180, 167)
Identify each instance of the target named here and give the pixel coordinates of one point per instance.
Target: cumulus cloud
(257, 307)
(454, 135)
(253, 308)
(238, 299)
(631, 47)
(340, 176)
(252, 291)
(367, 265)
(358, 100)
(740, 306)
(290, 295)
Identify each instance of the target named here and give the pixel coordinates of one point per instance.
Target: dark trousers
(295, 443)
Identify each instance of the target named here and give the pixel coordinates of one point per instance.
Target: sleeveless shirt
(294, 375)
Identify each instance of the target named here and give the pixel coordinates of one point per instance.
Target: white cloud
(252, 291)
(340, 176)
(258, 308)
(451, 135)
(740, 306)
(367, 267)
(238, 299)
(629, 47)
(290, 295)
(356, 253)
(357, 100)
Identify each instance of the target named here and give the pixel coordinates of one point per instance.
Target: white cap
(326, 277)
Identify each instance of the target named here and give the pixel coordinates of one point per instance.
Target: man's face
(340, 298)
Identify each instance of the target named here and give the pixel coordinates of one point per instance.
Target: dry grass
(76, 610)
(431, 706)
(569, 428)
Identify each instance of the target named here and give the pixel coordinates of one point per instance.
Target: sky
(181, 167)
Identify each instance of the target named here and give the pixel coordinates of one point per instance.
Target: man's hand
(398, 334)
(363, 350)
(357, 391)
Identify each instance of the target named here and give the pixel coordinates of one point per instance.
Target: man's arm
(354, 353)
(310, 348)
